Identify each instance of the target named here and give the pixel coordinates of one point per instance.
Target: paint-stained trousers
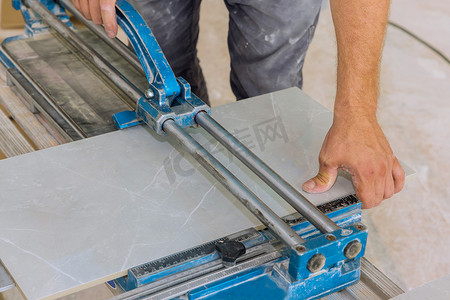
(267, 41)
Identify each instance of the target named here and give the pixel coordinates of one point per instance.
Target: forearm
(360, 27)
(355, 141)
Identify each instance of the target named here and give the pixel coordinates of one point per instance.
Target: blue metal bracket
(331, 246)
(33, 22)
(168, 97)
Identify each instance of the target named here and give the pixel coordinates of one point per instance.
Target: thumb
(322, 182)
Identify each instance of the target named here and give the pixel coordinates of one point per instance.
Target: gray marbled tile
(82, 213)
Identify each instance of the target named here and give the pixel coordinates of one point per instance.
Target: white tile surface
(89, 210)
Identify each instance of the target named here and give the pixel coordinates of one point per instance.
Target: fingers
(379, 189)
(84, 5)
(398, 175)
(99, 11)
(374, 182)
(322, 182)
(94, 7)
(76, 3)
(365, 193)
(108, 12)
(384, 186)
(395, 179)
(388, 187)
(389, 182)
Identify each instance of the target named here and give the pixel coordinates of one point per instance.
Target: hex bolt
(359, 227)
(316, 263)
(300, 248)
(149, 93)
(352, 249)
(331, 237)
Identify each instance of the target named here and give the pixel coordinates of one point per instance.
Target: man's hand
(100, 12)
(355, 141)
(356, 144)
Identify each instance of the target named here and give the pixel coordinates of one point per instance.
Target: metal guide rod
(87, 52)
(234, 185)
(269, 176)
(120, 48)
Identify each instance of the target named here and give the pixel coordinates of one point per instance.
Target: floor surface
(409, 234)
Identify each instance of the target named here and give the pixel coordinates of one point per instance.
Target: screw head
(149, 93)
(330, 237)
(359, 227)
(352, 249)
(316, 263)
(300, 248)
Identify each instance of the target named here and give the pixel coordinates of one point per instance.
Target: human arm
(355, 141)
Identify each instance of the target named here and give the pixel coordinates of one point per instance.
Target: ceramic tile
(87, 211)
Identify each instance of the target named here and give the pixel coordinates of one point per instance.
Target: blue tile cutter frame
(298, 262)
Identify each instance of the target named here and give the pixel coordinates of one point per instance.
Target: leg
(175, 26)
(268, 42)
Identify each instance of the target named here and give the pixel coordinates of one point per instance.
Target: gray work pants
(267, 40)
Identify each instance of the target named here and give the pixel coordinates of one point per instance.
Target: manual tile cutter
(301, 257)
